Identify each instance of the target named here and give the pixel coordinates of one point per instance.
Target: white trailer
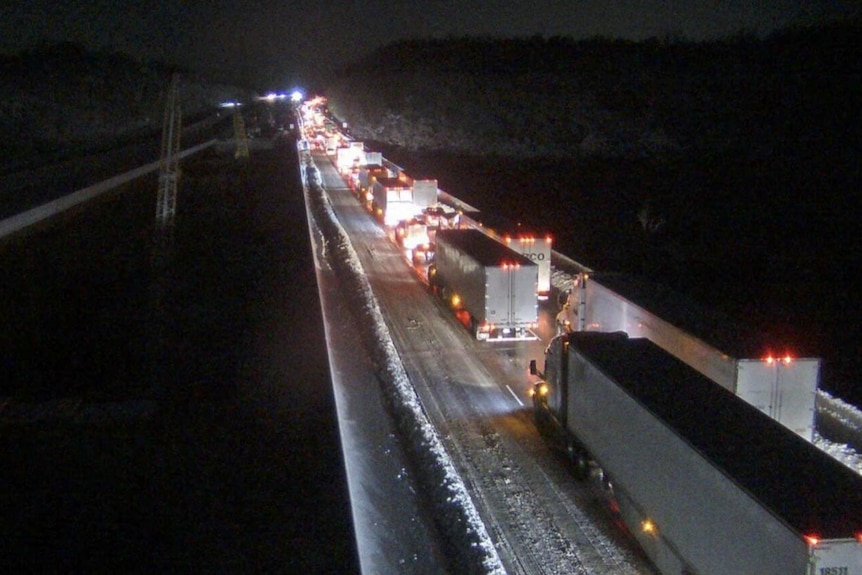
(350, 156)
(373, 159)
(493, 284)
(332, 143)
(779, 385)
(424, 193)
(532, 245)
(392, 200)
(704, 482)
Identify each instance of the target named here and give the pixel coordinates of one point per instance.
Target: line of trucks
(491, 273)
(700, 435)
(779, 385)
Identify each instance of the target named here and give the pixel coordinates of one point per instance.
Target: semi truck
(424, 193)
(705, 482)
(332, 143)
(491, 287)
(392, 200)
(350, 156)
(535, 246)
(770, 378)
(414, 237)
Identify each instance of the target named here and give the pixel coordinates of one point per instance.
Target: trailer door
(785, 390)
(523, 306)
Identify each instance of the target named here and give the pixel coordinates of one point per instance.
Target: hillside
(729, 169)
(64, 97)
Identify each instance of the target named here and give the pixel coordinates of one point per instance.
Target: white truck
(373, 158)
(332, 143)
(392, 200)
(350, 156)
(704, 482)
(782, 386)
(532, 245)
(491, 287)
(414, 238)
(424, 193)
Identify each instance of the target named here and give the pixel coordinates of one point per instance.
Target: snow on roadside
(843, 423)
(455, 515)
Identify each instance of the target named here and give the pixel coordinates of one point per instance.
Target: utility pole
(169, 168)
(166, 207)
(239, 134)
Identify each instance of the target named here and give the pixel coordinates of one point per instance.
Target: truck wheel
(580, 462)
(582, 468)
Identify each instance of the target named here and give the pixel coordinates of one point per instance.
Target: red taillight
(812, 540)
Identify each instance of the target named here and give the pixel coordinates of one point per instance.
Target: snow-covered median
(842, 423)
(468, 545)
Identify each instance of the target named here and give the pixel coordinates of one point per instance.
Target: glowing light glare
(812, 540)
(456, 300)
(648, 527)
(786, 360)
(296, 96)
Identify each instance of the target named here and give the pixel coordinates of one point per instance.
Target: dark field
(227, 458)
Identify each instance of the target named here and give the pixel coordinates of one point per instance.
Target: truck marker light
(812, 540)
(648, 527)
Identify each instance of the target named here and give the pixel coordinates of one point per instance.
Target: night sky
(280, 42)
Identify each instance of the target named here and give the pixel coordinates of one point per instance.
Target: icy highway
(540, 519)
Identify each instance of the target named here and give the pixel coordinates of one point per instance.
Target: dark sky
(286, 41)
